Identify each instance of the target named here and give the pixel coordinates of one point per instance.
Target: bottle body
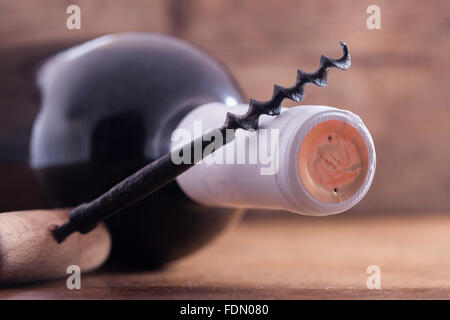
(109, 107)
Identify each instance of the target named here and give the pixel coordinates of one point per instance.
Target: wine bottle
(116, 103)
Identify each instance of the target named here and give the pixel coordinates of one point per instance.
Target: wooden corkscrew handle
(28, 251)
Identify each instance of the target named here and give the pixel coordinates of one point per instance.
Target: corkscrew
(160, 172)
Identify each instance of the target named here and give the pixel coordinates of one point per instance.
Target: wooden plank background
(398, 83)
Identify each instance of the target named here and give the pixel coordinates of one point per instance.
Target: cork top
(333, 161)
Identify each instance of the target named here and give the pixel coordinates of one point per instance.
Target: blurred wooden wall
(398, 83)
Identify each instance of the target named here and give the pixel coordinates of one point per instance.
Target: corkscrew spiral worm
(272, 107)
(160, 172)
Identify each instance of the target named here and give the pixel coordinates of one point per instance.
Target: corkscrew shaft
(142, 183)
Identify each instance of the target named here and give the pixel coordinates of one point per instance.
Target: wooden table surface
(294, 258)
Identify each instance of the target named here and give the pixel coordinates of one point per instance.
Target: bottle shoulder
(122, 94)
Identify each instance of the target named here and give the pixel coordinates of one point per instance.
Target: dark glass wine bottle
(113, 104)
(109, 107)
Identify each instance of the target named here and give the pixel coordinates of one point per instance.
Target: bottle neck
(262, 169)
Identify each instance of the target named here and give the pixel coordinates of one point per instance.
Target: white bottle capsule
(312, 160)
